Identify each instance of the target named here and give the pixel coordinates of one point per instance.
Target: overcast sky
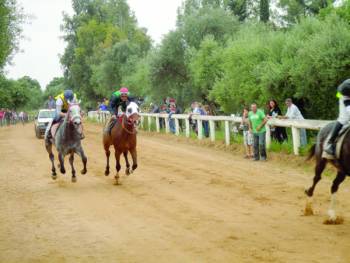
(41, 46)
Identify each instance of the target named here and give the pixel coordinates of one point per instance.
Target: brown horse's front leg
(134, 159)
(108, 153)
(117, 166)
(127, 171)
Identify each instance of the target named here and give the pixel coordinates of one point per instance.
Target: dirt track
(185, 203)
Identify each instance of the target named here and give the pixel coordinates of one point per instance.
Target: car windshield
(46, 114)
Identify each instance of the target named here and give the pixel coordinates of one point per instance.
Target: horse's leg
(320, 165)
(52, 158)
(134, 159)
(127, 171)
(117, 166)
(81, 153)
(333, 219)
(108, 153)
(61, 159)
(71, 161)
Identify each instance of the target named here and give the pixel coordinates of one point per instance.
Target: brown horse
(342, 164)
(123, 138)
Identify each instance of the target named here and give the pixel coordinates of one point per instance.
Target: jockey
(120, 98)
(344, 115)
(62, 105)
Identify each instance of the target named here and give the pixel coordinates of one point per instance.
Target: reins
(128, 131)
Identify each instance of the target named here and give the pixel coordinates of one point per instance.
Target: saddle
(339, 143)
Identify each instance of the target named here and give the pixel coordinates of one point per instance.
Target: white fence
(295, 125)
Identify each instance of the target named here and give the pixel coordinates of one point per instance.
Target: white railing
(295, 125)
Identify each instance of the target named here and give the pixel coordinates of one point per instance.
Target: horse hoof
(83, 171)
(106, 173)
(63, 171)
(74, 179)
(131, 171)
(127, 172)
(54, 177)
(334, 221)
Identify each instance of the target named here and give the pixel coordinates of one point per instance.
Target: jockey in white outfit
(344, 115)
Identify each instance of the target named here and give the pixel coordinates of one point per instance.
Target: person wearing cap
(344, 116)
(62, 105)
(119, 99)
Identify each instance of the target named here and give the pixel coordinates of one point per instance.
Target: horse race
(174, 131)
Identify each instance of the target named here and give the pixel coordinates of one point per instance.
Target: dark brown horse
(342, 165)
(123, 138)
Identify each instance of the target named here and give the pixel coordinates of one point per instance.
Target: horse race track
(185, 203)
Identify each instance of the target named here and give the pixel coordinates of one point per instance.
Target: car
(42, 120)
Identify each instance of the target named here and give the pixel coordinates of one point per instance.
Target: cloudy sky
(41, 45)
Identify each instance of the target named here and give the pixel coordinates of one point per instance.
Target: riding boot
(331, 145)
(111, 125)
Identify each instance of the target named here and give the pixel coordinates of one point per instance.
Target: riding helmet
(344, 88)
(124, 90)
(69, 95)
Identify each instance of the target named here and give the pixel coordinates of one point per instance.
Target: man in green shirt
(257, 121)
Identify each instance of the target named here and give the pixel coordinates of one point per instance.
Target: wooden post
(177, 127)
(187, 127)
(268, 136)
(157, 124)
(200, 129)
(212, 130)
(149, 123)
(167, 129)
(296, 140)
(227, 133)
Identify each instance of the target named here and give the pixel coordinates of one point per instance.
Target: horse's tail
(312, 152)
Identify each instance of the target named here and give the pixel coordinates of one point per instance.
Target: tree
(11, 18)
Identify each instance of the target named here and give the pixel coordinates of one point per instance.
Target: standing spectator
(21, 117)
(257, 121)
(277, 133)
(171, 111)
(8, 117)
(2, 117)
(247, 134)
(294, 113)
(51, 103)
(203, 112)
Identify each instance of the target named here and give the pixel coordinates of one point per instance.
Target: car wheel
(37, 133)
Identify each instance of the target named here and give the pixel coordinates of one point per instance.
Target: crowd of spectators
(254, 131)
(11, 117)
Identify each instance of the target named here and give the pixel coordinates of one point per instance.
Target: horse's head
(132, 113)
(74, 116)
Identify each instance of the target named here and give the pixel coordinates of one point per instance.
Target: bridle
(131, 123)
(71, 118)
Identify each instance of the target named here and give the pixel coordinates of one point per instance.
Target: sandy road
(185, 203)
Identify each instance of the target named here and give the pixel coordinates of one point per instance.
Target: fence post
(149, 123)
(187, 120)
(177, 127)
(212, 130)
(296, 140)
(167, 129)
(268, 136)
(200, 129)
(157, 123)
(227, 133)
(142, 121)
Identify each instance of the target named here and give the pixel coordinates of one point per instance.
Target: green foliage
(104, 45)
(11, 18)
(24, 93)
